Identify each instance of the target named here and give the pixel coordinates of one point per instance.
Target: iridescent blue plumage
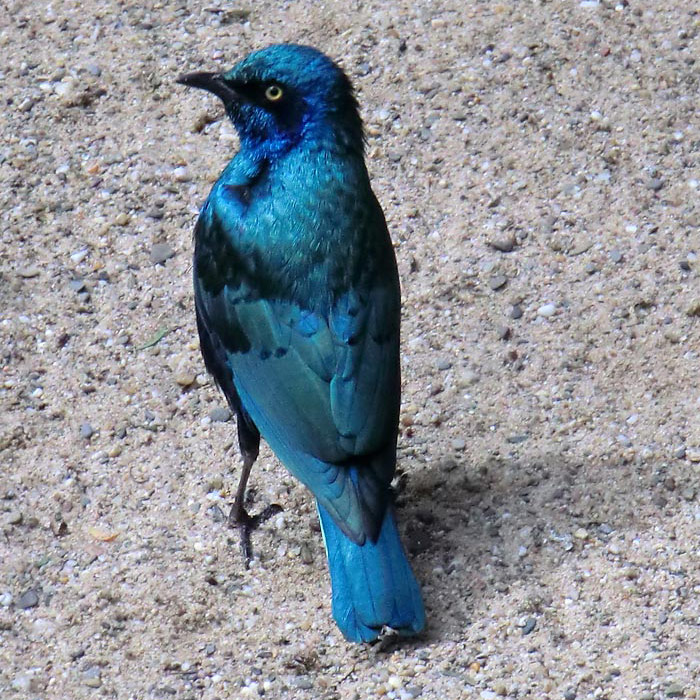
(298, 310)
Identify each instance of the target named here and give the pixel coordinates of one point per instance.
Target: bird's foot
(247, 524)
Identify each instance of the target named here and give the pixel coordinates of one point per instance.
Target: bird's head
(284, 95)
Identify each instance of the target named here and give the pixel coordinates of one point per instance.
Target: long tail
(373, 585)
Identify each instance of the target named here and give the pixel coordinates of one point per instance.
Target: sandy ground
(538, 163)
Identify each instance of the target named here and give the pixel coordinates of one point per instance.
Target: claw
(246, 524)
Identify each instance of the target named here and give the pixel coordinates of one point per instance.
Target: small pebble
(121, 219)
(28, 599)
(86, 431)
(693, 454)
(616, 256)
(181, 174)
(529, 626)
(505, 245)
(14, 517)
(305, 554)
(217, 515)
(22, 683)
(459, 444)
(443, 364)
(548, 224)
(503, 332)
(184, 377)
(28, 272)
(674, 690)
(221, 414)
(92, 672)
(500, 688)
(581, 246)
(498, 282)
(79, 256)
(624, 440)
(77, 285)
(66, 90)
(26, 105)
(546, 310)
(516, 312)
(394, 682)
(160, 252)
(468, 378)
(216, 483)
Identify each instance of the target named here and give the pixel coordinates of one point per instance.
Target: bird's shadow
(473, 532)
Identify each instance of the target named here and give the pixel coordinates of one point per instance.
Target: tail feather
(373, 584)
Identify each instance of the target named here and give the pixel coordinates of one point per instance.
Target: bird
(297, 303)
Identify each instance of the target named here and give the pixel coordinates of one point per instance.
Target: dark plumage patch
(232, 336)
(219, 264)
(242, 193)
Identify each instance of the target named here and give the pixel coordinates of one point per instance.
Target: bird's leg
(238, 512)
(239, 516)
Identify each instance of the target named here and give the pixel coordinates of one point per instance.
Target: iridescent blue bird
(298, 310)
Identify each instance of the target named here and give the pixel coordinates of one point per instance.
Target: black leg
(239, 516)
(238, 513)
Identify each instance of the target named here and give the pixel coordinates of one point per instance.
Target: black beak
(212, 82)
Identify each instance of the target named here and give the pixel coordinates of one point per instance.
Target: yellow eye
(274, 93)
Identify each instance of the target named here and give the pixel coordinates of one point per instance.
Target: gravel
(498, 282)
(539, 172)
(160, 252)
(28, 599)
(86, 431)
(220, 414)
